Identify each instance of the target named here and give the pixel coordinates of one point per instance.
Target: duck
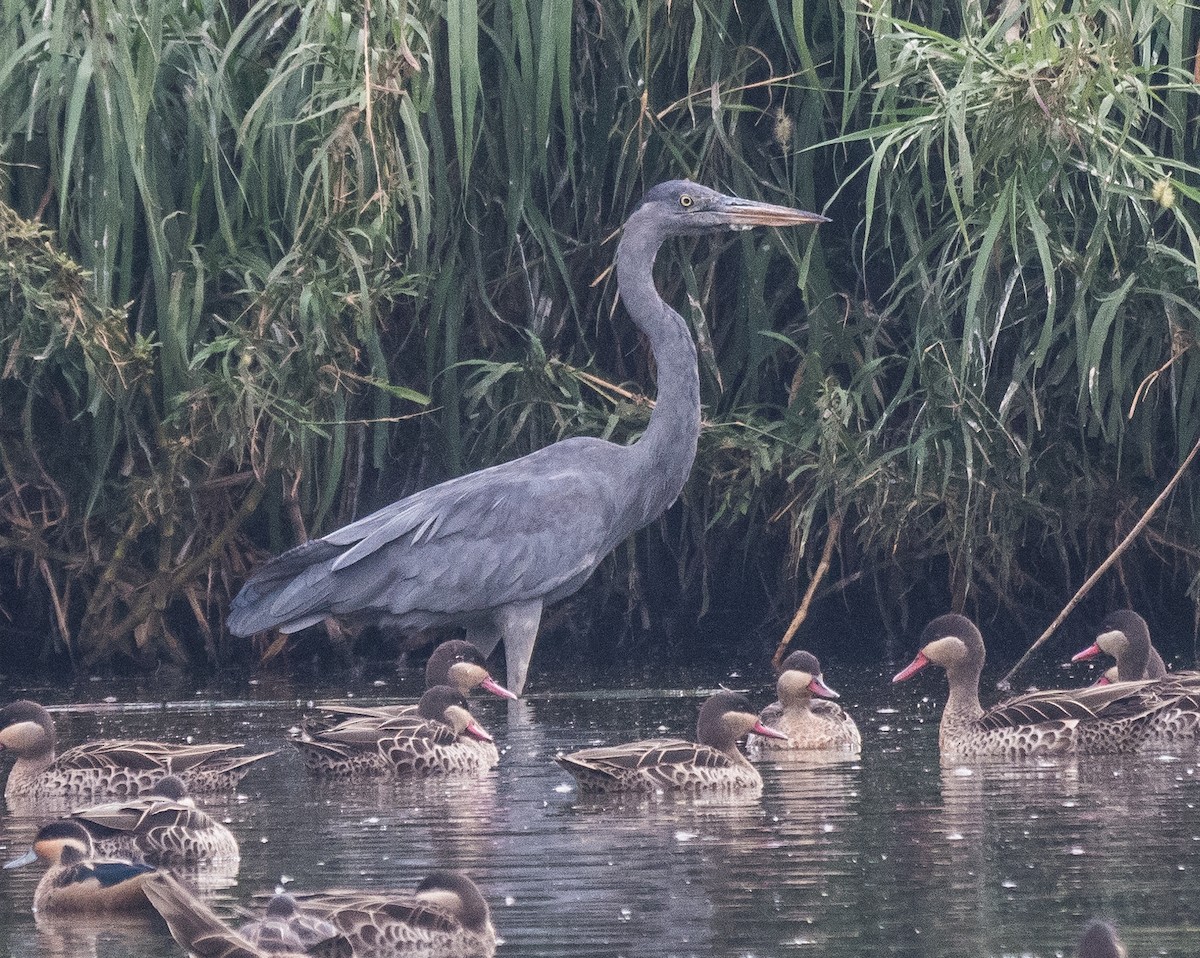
(284, 927)
(106, 767)
(445, 917)
(438, 739)
(1109, 718)
(76, 882)
(457, 663)
(1100, 940)
(1126, 637)
(282, 933)
(162, 828)
(713, 761)
(814, 724)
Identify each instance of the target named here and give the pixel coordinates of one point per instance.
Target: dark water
(885, 856)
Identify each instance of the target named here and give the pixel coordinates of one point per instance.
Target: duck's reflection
(101, 936)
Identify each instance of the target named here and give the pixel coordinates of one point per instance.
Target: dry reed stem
(835, 526)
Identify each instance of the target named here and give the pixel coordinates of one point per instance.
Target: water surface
(887, 855)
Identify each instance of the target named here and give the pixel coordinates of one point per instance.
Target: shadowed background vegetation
(267, 266)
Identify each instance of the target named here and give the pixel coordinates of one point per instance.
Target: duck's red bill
(766, 731)
(497, 689)
(1089, 653)
(912, 668)
(818, 687)
(478, 732)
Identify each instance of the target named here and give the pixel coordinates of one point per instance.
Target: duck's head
(173, 789)
(59, 843)
(454, 892)
(1100, 940)
(26, 729)
(1125, 636)
(460, 664)
(800, 678)
(727, 716)
(447, 705)
(951, 641)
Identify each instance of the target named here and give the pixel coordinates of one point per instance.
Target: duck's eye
(685, 201)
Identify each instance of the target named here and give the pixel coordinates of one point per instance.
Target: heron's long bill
(746, 213)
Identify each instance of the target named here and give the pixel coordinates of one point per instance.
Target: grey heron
(489, 550)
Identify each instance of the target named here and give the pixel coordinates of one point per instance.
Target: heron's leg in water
(517, 625)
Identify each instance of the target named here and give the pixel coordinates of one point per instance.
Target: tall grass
(308, 257)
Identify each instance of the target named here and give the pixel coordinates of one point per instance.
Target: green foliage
(269, 265)
(1030, 200)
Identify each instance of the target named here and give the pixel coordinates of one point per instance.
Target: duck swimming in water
(804, 713)
(162, 828)
(106, 767)
(76, 882)
(445, 917)
(1110, 718)
(713, 761)
(457, 663)
(1126, 637)
(442, 737)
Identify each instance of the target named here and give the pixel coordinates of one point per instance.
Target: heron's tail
(289, 593)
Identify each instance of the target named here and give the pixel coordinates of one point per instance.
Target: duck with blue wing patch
(75, 881)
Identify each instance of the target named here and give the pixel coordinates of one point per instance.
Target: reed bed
(268, 265)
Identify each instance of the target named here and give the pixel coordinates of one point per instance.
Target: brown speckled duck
(1126, 637)
(446, 917)
(106, 767)
(284, 927)
(162, 828)
(438, 739)
(1176, 722)
(76, 882)
(283, 934)
(813, 724)
(1110, 718)
(456, 663)
(714, 761)
(1100, 941)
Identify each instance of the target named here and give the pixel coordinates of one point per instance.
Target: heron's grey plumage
(490, 549)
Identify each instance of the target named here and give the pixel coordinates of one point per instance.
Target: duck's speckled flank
(107, 768)
(440, 738)
(712, 762)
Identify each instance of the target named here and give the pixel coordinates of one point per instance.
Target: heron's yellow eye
(685, 201)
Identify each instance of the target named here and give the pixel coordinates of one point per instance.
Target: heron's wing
(509, 534)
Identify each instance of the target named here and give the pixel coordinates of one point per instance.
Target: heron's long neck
(663, 457)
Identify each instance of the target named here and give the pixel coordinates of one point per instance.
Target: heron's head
(681, 207)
